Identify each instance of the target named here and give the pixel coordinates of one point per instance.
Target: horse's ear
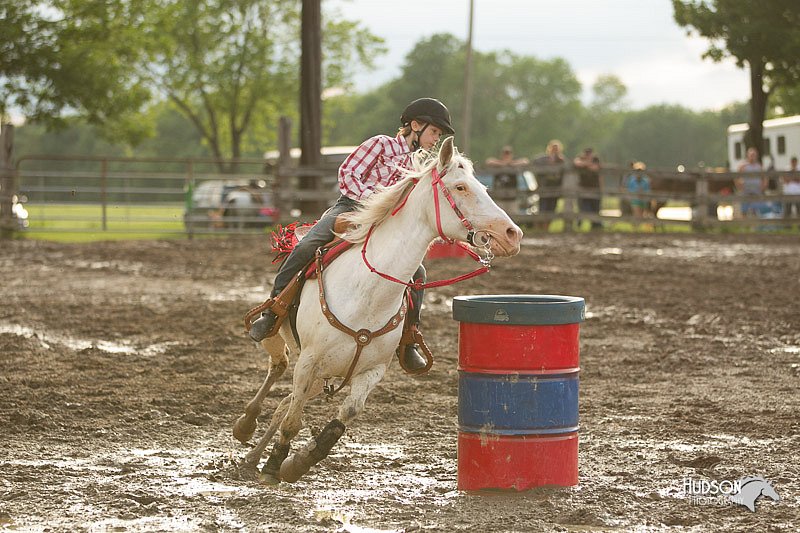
(446, 153)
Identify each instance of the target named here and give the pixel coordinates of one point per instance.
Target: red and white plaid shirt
(378, 161)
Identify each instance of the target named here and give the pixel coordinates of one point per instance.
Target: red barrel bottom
(519, 462)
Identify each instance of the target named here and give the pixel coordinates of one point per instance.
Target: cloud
(678, 76)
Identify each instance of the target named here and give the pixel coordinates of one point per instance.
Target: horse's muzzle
(507, 242)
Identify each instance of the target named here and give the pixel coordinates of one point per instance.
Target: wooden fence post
(189, 199)
(104, 192)
(699, 218)
(569, 192)
(7, 188)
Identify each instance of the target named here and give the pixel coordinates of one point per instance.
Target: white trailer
(781, 142)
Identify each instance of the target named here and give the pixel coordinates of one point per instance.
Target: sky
(636, 40)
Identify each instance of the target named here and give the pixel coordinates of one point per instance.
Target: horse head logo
(750, 488)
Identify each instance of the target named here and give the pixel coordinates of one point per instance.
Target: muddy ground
(123, 367)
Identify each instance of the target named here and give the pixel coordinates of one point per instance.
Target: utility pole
(466, 120)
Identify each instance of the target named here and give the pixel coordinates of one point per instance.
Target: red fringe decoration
(284, 240)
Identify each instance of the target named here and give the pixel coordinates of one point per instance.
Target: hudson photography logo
(727, 492)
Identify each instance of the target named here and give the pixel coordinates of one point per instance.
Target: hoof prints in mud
(121, 378)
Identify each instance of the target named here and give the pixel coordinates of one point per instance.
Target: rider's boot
(412, 359)
(262, 326)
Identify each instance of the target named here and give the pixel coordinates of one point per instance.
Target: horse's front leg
(245, 426)
(320, 446)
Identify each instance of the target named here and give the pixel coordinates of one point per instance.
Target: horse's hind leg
(320, 446)
(245, 426)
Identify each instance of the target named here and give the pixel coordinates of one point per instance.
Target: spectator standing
(791, 185)
(504, 183)
(751, 186)
(588, 166)
(550, 179)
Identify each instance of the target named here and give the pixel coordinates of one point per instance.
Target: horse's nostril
(512, 233)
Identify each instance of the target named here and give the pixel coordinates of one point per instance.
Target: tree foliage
(518, 100)
(67, 57)
(230, 66)
(762, 36)
(525, 102)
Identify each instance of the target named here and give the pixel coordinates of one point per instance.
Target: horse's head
(465, 211)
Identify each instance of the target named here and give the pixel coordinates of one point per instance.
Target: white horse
(395, 242)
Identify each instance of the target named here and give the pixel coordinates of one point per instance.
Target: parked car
(237, 203)
(512, 192)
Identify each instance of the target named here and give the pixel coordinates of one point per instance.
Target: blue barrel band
(517, 404)
(519, 309)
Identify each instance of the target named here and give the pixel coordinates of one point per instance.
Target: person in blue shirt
(638, 182)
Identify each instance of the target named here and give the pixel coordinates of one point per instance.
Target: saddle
(285, 304)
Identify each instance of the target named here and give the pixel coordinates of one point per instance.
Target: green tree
(762, 36)
(667, 135)
(785, 100)
(226, 64)
(522, 101)
(75, 137)
(72, 57)
(229, 66)
(601, 119)
(543, 98)
(609, 94)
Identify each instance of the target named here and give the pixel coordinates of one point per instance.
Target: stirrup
(412, 359)
(265, 326)
(412, 336)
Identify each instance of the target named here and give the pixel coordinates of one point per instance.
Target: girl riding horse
(348, 327)
(380, 160)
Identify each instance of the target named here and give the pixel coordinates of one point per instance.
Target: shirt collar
(405, 149)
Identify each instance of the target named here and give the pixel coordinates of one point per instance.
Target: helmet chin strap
(415, 142)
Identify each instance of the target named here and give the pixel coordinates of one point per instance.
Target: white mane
(379, 205)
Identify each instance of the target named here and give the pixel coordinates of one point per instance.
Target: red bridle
(437, 180)
(485, 263)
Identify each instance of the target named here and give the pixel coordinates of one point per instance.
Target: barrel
(518, 390)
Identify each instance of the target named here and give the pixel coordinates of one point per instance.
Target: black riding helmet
(429, 110)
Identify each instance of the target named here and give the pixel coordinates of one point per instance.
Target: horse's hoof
(247, 472)
(295, 467)
(244, 428)
(268, 479)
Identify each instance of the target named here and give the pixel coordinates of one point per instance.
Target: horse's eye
(461, 188)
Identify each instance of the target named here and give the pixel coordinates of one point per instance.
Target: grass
(84, 222)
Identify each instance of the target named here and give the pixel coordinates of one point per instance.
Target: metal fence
(144, 195)
(195, 196)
